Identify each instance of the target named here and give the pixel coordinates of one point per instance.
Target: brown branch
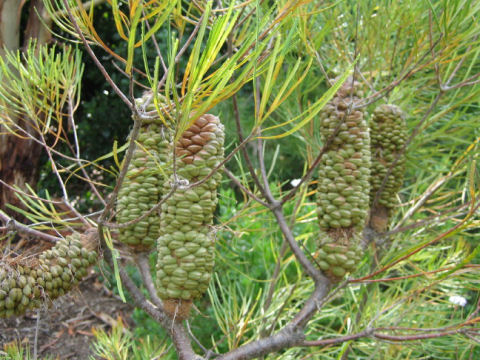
(381, 336)
(286, 338)
(311, 270)
(12, 225)
(144, 267)
(123, 171)
(175, 329)
(402, 277)
(291, 335)
(413, 337)
(189, 40)
(243, 187)
(338, 340)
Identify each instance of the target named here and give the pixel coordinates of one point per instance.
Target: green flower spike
(186, 246)
(343, 182)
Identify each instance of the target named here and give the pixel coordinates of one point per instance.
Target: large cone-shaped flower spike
(186, 245)
(343, 182)
(388, 137)
(30, 283)
(143, 184)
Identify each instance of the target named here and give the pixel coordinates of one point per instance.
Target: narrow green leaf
(312, 111)
(275, 62)
(131, 37)
(165, 14)
(117, 20)
(115, 157)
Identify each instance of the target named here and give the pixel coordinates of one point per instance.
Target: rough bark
(19, 160)
(19, 156)
(37, 28)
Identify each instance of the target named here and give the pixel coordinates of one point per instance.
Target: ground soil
(65, 329)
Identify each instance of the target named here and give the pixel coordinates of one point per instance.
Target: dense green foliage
(422, 56)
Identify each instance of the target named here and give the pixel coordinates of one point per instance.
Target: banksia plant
(142, 186)
(343, 182)
(388, 137)
(186, 245)
(26, 285)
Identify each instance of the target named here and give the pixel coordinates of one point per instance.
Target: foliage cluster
(266, 69)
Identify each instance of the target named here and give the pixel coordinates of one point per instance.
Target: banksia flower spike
(388, 136)
(186, 246)
(28, 285)
(343, 182)
(143, 183)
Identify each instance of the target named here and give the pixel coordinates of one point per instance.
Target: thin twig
(425, 196)
(78, 215)
(238, 125)
(120, 70)
(156, 207)
(53, 202)
(465, 82)
(261, 160)
(208, 352)
(35, 339)
(243, 187)
(95, 59)
(221, 164)
(144, 267)
(291, 335)
(310, 269)
(387, 89)
(189, 40)
(339, 340)
(276, 272)
(29, 136)
(13, 225)
(437, 238)
(413, 337)
(381, 336)
(430, 220)
(123, 171)
(54, 168)
(77, 151)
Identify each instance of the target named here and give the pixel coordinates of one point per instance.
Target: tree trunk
(19, 157)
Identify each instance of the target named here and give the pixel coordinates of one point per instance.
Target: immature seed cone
(28, 285)
(143, 183)
(343, 181)
(142, 187)
(388, 137)
(339, 256)
(186, 247)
